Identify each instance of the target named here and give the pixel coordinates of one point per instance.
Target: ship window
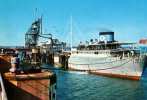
(95, 52)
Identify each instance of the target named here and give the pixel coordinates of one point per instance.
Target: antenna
(35, 14)
(71, 32)
(41, 24)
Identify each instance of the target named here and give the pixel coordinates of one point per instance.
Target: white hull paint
(106, 64)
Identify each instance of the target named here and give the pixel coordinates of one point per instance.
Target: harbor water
(82, 86)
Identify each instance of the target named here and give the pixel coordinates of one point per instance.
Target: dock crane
(31, 42)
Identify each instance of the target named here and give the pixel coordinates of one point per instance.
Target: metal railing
(3, 95)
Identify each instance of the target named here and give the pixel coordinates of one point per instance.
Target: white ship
(108, 57)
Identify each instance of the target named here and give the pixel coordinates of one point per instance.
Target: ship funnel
(106, 37)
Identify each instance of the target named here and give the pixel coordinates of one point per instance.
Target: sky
(127, 18)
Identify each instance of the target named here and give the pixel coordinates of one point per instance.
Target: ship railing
(96, 51)
(104, 51)
(92, 51)
(3, 95)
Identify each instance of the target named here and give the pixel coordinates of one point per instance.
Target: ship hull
(126, 67)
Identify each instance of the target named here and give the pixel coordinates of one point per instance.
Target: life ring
(102, 38)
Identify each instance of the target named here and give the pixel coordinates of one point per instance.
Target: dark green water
(82, 86)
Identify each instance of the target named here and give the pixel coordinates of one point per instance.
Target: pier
(31, 86)
(63, 60)
(22, 76)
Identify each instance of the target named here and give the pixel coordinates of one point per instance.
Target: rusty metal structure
(28, 81)
(32, 35)
(31, 41)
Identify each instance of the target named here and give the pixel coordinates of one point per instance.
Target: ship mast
(71, 32)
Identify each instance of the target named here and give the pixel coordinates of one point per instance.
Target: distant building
(143, 41)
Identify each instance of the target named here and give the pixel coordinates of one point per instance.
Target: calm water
(82, 86)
